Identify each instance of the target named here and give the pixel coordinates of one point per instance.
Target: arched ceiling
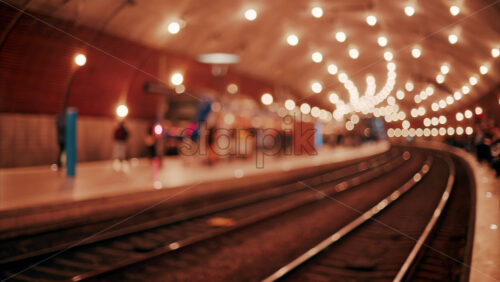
(220, 26)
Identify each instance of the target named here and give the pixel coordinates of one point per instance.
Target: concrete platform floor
(36, 186)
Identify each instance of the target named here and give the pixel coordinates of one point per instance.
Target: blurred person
(61, 137)
(150, 142)
(483, 149)
(121, 136)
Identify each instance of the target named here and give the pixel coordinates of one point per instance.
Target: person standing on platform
(150, 142)
(120, 147)
(61, 135)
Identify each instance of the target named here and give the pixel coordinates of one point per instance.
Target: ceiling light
(445, 69)
(343, 77)
(353, 53)
(316, 87)
(442, 119)
(289, 104)
(468, 113)
(453, 38)
(232, 88)
(483, 69)
(388, 56)
(305, 108)
(400, 95)
(415, 52)
(454, 10)
(176, 78)
(317, 12)
(266, 99)
(409, 86)
(332, 69)
(457, 95)
(292, 40)
(174, 27)
(333, 98)
(495, 52)
(473, 80)
(459, 116)
(340, 36)
(442, 104)
(465, 89)
(317, 57)
(435, 107)
(440, 78)
(478, 110)
(382, 41)
(371, 20)
(409, 11)
(450, 100)
(250, 14)
(80, 59)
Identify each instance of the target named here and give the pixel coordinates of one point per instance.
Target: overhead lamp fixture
(382, 41)
(416, 52)
(292, 40)
(409, 11)
(445, 69)
(353, 53)
(219, 58)
(332, 69)
(266, 99)
(371, 20)
(340, 36)
(317, 57)
(454, 10)
(453, 38)
(317, 12)
(251, 14)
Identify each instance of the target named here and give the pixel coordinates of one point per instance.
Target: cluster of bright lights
(424, 94)
(417, 112)
(368, 103)
(427, 132)
(434, 121)
(390, 113)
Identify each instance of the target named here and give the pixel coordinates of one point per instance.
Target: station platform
(485, 261)
(36, 197)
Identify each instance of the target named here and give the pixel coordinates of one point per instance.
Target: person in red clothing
(120, 147)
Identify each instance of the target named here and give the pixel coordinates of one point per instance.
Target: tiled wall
(28, 140)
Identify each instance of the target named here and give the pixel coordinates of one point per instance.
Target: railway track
(81, 260)
(211, 243)
(385, 247)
